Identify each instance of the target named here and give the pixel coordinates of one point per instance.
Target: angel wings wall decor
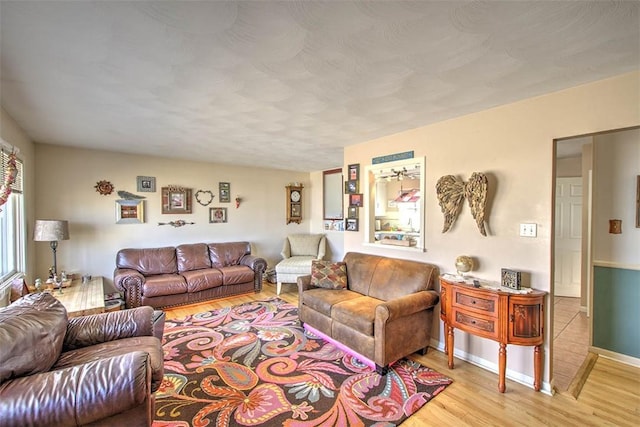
(451, 192)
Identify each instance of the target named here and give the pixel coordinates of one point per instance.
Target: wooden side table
(502, 316)
(82, 299)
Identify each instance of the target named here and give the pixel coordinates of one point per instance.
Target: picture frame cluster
(352, 188)
(175, 200)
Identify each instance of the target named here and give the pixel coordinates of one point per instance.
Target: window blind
(4, 167)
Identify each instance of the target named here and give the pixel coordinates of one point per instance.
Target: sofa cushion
(357, 313)
(113, 348)
(199, 280)
(227, 254)
(164, 284)
(330, 275)
(295, 265)
(304, 244)
(322, 300)
(32, 332)
(194, 256)
(148, 261)
(237, 274)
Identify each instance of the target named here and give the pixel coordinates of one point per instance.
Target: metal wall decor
(178, 223)
(451, 192)
(204, 197)
(104, 187)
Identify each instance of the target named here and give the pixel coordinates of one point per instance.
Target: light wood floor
(610, 397)
(570, 340)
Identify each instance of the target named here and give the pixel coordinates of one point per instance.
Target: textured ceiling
(289, 84)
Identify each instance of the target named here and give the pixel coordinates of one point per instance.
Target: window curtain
(10, 174)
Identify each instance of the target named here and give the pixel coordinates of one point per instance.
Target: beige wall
(615, 170)
(13, 135)
(569, 167)
(65, 183)
(513, 144)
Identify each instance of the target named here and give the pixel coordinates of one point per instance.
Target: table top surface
(81, 299)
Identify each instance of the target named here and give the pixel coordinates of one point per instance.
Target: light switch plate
(528, 230)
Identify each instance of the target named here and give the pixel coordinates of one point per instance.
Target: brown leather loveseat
(384, 313)
(92, 370)
(185, 274)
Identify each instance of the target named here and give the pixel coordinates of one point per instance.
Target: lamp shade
(51, 230)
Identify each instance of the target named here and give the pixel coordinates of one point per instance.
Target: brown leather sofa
(99, 370)
(185, 274)
(384, 314)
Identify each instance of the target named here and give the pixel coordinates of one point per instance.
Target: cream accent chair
(298, 251)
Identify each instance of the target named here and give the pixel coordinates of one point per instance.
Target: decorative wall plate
(104, 187)
(204, 197)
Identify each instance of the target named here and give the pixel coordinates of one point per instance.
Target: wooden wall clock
(294, 203)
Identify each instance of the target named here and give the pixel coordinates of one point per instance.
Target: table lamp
(51, 230)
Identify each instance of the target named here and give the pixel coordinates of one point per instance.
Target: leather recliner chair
(101, 369)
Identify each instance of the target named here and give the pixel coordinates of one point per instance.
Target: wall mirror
(394, 204)
(332, 194)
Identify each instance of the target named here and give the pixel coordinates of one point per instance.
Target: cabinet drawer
(476, 325)
(485, 303)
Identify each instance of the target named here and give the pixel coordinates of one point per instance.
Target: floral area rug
(253, 364)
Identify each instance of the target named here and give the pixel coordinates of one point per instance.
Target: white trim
(613, 264)
(618, 357)
(518, 377)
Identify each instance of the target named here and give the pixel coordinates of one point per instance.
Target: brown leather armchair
(92, 370)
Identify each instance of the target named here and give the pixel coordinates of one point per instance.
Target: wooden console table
(502, 316)
(82, 299)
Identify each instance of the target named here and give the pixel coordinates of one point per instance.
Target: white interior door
(568, 238)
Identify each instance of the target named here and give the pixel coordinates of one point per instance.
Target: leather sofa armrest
(78, 395)
(98, 328)
(304, 283)
(257, 264)
(130, 282)
(406, 305)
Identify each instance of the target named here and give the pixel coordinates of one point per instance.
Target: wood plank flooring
(610, 396)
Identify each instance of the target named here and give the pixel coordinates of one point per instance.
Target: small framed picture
(351, 224)
(176, 200)
(146, 184)
(354, 172)
(225, 192)
(217, 215)
(351, 186)
(129, 211)
(352, 212)
(355, 200)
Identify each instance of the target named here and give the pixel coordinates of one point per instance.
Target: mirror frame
(369, 201)
(334, 191)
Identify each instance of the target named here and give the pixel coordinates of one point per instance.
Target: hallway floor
(570, 340)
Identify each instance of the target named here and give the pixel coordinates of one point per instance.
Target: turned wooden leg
(449, 345)
(278, 287)
(537, 367)
(502, 367)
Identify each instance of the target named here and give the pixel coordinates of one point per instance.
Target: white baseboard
(618, 357)
(518, 377)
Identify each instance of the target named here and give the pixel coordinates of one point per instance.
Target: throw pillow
(330, 275)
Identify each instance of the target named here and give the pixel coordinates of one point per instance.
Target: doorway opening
(589, 171)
